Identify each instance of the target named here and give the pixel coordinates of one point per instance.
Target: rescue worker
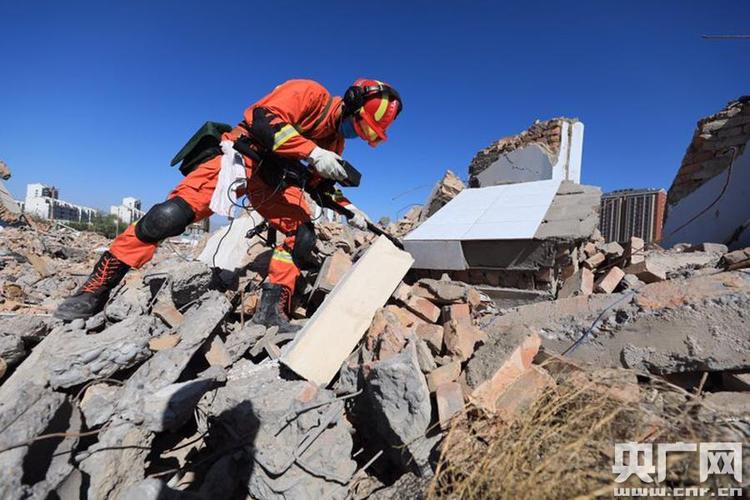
(298, 120)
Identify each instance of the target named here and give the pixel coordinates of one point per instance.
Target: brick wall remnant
(547, 134)
(712, 148)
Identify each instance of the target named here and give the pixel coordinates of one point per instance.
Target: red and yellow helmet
(374, 105)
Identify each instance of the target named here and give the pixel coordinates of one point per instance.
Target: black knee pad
(169, 218)
(304, 243)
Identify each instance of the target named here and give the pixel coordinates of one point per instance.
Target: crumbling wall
(532, 155)
(708, 197)
(716, 141)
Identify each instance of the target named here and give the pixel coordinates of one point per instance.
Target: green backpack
(204, 145)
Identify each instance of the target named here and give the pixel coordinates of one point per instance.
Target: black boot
(272, 309)
(91, 297)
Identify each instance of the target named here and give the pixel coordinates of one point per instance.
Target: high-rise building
(42, 201)
(130, 210)
(633, 212)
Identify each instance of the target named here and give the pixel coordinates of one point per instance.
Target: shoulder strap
(318, 120)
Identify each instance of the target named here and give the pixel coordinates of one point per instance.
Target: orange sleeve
(292, 103)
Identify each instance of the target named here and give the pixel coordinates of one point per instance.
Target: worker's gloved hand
(327, 164)
(359, 220)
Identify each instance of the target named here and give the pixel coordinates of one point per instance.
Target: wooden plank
(340, 322)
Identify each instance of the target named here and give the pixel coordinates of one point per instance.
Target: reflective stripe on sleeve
(283, 135)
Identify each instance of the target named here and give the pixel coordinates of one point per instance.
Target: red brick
(216, 353)
(165, 341)
(608, 282)
(523, 393)
(460, 337)
(423, 308)
(450, 402)
(333, 269)
(402, 292)
(406, 317)
(594, 261)
(473, 297)
(581, 283)
(589, 249)
(486, 394)
(456, 312)
(433, 335)
(167, 312)
(442, 375)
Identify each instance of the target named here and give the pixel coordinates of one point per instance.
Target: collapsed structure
(403, 375)
(708, 197)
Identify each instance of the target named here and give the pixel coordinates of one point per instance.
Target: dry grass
(563, 446)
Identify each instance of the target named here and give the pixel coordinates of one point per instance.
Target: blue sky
(96, 97)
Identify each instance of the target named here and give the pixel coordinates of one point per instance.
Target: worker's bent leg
(287, 211)
(187, 203)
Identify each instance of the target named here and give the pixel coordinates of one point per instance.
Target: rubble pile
(399, 382)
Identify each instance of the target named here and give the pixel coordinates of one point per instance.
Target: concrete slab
(340, 322)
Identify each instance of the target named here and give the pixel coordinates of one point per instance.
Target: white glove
(359, 220)
(327, 164)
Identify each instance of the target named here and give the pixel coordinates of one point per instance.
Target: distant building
(129, 212)
(42, 201)
(633, 212)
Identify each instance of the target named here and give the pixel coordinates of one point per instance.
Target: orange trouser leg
(285, 210)
(196, 189)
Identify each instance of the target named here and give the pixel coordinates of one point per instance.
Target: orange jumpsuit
(304, 115)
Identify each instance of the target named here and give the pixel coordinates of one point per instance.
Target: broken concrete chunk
(98, 404)
(171, 406)
(238, 343)
(31, 329)
(80, 357)
(22, 419)
(12, 350)
(189, 281)
(608, 282)
(166, 366)
(450, 402)
(401, 405)
(131, 299)
(581, 283)
(117, 461)
(424, 356)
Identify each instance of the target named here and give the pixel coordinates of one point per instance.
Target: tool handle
(329, 202)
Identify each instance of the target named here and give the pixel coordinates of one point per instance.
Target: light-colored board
(340, 322)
